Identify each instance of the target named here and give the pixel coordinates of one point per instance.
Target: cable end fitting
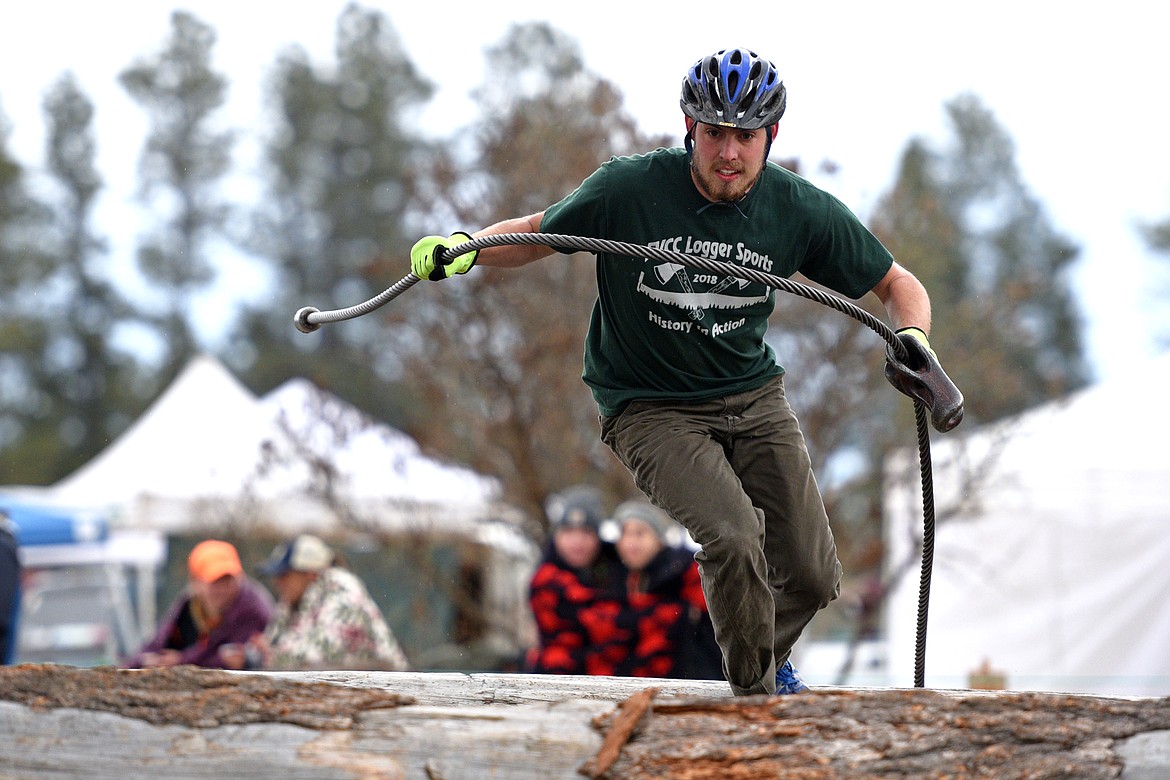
(301, 319)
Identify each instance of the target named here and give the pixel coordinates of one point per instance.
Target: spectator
(665, 615)
(220, 606)
(577, 583)
(10, 573)
(325, 617)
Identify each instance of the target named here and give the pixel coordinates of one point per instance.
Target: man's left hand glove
(423, 255)
(922, 378)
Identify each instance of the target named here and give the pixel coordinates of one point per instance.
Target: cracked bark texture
(889, 734)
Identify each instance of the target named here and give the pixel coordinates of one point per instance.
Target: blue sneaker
(788, 680)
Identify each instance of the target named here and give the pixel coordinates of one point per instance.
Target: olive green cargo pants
(736, 473)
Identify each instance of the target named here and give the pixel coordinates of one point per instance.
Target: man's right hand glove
(922, 378)
(424, 265)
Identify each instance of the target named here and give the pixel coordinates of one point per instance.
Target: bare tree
(496, 357)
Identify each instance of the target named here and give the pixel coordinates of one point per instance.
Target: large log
(61, 722)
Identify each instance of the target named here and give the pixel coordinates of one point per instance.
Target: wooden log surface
(59, 722)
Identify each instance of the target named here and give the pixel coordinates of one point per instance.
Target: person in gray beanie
(578, 579)
(664, 626)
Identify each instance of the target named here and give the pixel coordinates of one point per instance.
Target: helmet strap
(771, 133)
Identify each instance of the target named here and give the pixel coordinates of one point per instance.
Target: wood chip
(631, 714)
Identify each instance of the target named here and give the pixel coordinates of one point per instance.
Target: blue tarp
(38, 525)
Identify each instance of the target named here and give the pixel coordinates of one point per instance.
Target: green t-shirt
(666, 331)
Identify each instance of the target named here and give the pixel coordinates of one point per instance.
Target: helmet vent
(733, 84)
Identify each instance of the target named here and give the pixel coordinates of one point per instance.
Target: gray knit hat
(576, 507)
(663, 524)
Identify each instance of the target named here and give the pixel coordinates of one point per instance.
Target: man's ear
(690, 123)
(774, 129)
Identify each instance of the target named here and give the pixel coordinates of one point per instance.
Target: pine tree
(182, 165)
(1006, 321)
(24, 270)
(332, 223)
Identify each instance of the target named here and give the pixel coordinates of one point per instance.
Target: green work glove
(918, 334)
(424, 252)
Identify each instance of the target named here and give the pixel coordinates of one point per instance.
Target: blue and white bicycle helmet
(734, 88)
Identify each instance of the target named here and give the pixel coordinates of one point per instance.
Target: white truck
(88, 590)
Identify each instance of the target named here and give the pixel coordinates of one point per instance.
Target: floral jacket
(336, 625)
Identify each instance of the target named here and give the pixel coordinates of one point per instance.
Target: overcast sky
(1080, 91)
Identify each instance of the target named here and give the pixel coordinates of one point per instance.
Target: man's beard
(715, 189)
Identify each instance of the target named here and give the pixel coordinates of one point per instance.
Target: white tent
(197, 440)
(209, 453)
(1052, 547)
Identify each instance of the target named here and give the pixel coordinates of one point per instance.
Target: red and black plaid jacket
(569, 606)
(663, 628)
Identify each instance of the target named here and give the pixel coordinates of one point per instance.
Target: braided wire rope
(308, 319)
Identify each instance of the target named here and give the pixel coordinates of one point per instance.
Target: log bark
(902, 734)
(65, 722)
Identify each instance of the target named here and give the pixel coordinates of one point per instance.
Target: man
(576, 589)
(220, 607)
(325, 617)
(691, 396)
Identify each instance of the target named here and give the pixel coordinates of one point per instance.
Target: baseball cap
(212, 559)
(304, 553)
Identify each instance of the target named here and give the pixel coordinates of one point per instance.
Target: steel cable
(308, 319)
